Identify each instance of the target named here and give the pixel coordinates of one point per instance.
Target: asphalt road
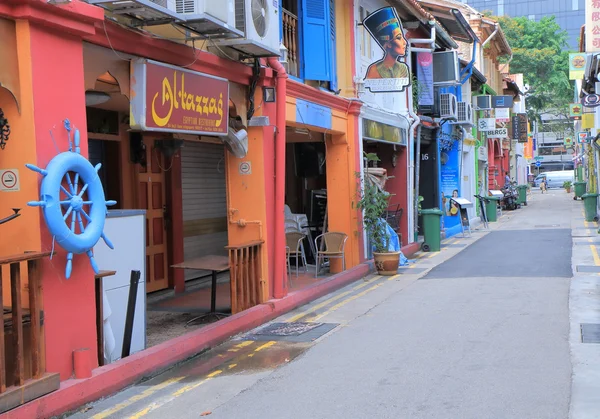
(480, 330)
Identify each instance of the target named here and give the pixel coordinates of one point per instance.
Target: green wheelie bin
(491, 208)
(580, 188)
(522, 199)
(590, 203)
(432, 225)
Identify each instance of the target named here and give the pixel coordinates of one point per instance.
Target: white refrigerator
(126, 229)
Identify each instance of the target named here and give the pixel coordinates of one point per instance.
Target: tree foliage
(539, 52)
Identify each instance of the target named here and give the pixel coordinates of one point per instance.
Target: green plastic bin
(522, 199)
(590, 203)
(491, 208)
(580, 188)
(432, 225)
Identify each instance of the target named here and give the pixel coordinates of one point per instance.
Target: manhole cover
(590, 333)
(546, 225)
(288, 329)
(292, 331)
(588, 268)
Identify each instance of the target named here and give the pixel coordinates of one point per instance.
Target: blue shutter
(317, 39)
(333, 74)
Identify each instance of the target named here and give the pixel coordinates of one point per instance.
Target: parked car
(555, 179)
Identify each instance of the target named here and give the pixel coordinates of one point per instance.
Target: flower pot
(387, 263)
(568, 190)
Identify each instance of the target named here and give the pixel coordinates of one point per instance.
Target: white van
(558, 178)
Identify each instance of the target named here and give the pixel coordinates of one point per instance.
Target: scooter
(509, 201)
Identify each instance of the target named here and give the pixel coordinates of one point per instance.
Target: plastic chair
(334, 248)
(294, 241)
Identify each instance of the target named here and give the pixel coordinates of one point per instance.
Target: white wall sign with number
(9, 180)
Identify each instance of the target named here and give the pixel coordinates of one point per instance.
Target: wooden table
(100, 313)
(215, 264)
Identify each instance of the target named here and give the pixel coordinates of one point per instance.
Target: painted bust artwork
(389, 74)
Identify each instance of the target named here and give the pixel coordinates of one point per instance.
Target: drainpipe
(468, 71)
(416, 165)
(279, 274)
(496, 28)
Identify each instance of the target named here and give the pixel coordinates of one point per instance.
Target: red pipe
(280, 273)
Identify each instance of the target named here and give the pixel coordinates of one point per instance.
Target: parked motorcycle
(510, 199)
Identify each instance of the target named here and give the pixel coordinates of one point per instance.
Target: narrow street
(487, 328)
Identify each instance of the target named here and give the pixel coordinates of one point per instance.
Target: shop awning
(384, 127)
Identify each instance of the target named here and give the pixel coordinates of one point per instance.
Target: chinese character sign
(592, 25)
(390, 74)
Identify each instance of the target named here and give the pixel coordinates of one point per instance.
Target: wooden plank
(2, 352)
(35, 292)
(30, 390)
(252, 276)
(104, 274)
(248, 244)
(245, 252)
(234, 285)
(23, 257)
(209, 263)
(17, 325)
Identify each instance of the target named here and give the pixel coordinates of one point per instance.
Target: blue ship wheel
(74, 215)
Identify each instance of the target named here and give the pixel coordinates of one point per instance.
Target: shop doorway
(428, 175)
(306, 191)
(151, 197)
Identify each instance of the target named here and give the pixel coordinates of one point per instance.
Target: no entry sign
(9, 180)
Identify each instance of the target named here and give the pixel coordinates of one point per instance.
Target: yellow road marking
(346, 301)
(241, 345)
(146, 393)
(265, 346)
(324, 303)
(595, 254)
(155, 405)
(232, 366)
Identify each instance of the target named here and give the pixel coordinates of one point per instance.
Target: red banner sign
(171, 99)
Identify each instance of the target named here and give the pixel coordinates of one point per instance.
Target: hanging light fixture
(4, 130)
(94, 97)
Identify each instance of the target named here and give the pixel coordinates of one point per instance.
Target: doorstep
(109, 379)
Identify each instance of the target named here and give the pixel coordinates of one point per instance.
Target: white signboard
(502, 114)
(482, 153)
(245, 168)
(498, 133)
(9, 180)
(486, 124)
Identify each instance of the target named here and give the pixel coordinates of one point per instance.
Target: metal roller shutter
(204, 201)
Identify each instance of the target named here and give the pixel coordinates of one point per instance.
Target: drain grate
(588, 268)
(546, 226)
(292, 331)
(590, 333)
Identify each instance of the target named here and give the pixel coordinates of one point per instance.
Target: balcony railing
(290, 40)
(23, 374)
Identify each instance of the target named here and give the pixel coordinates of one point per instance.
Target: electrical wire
(252, 89)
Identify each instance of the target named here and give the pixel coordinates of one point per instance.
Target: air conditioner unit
(481, 103)
(464, 114)
(149, 12)
(209, 18)
(448, 106)
(258, 20)
(445, 68)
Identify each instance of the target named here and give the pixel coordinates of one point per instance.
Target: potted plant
(373, 201)
(567, 185)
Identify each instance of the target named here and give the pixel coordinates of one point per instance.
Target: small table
(215, 264)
